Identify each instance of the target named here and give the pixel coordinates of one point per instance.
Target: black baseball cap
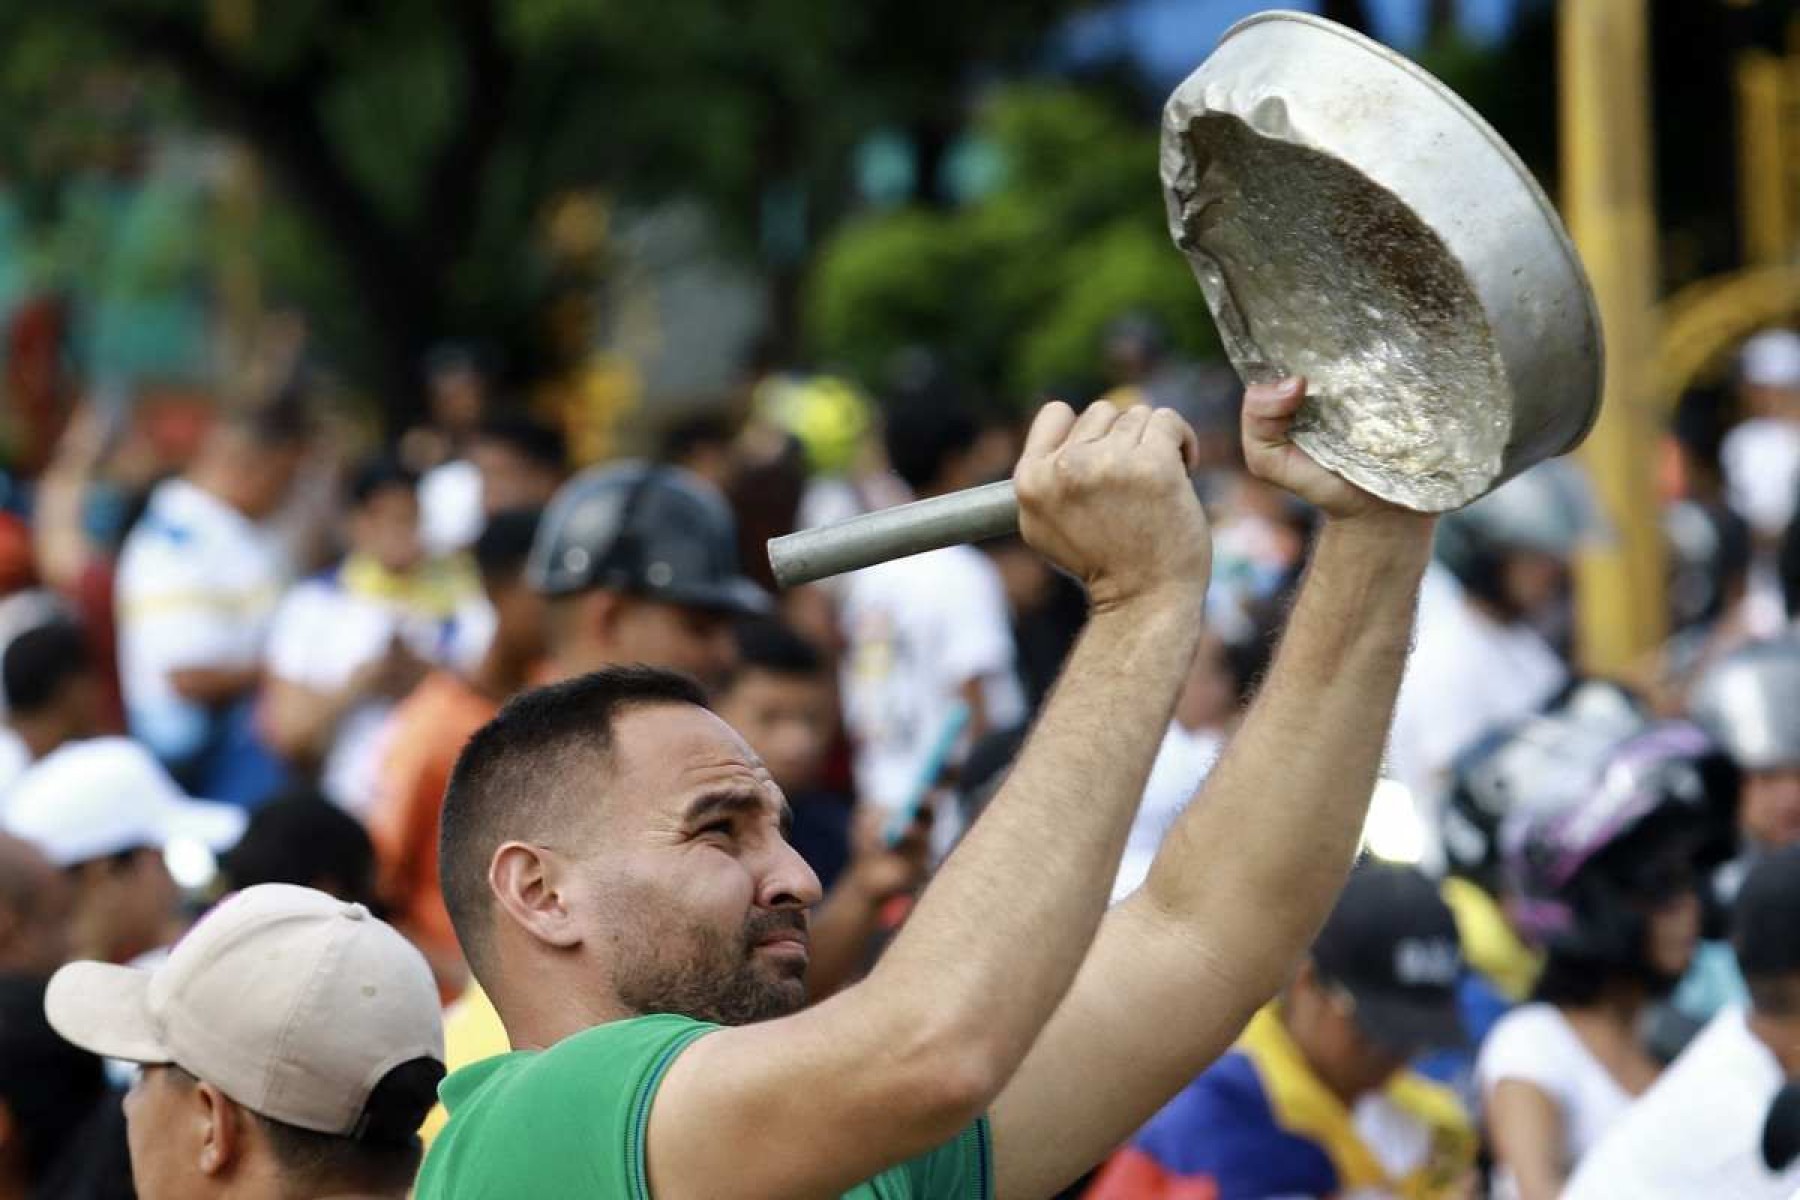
(1391, 942)
(653, 530)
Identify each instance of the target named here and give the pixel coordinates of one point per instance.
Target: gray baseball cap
(653, 530)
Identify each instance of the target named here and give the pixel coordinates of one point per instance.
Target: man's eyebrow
(731, 802)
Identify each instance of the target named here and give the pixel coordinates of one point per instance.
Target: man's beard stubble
(712, 976)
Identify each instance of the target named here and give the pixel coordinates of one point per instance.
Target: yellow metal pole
(1766, 206)
(1605, 127)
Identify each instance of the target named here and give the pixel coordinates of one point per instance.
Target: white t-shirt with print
(450, 514)
(1698, 1130)
(1468, 675)
(324, 633)
(196, 587)
(1535, 1044)
(1761, 458)
(1183, 762)
(918, 629)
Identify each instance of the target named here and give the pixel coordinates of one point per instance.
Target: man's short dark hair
(770, 644)
(512, 779)
(537, 442)
(923, 432)
(702, 430)
(505, 542)
(279, 424)
(381, 1157)
(301, 837)
(376, 474)
(39, 662)
(1766, 932)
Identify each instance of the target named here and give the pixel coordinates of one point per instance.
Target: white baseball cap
(294, 1004)
(102, 796)
(1772, 359)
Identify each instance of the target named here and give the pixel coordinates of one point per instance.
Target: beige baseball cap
(292, 1003)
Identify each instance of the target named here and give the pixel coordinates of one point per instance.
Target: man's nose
(789, 881)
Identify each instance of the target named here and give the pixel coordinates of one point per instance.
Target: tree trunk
(1354, 13)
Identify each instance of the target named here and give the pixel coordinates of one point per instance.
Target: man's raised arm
(1248, 874)
(898, 1064)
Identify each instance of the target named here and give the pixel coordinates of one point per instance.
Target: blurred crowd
(249, 653)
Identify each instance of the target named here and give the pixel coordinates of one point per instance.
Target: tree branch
(454, 180)
(400, 287)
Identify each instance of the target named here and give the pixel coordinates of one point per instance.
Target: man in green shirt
(614, 862)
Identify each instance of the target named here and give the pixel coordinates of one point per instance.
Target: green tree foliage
(1017, 286)
(414, 146)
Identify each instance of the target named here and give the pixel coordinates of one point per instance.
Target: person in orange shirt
(427, 732)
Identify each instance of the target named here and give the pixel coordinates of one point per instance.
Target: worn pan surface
(1350, 219)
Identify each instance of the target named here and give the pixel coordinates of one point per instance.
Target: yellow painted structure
(1605, 118)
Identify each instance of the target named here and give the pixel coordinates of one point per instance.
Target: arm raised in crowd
(813, 1104)
(1248, 874)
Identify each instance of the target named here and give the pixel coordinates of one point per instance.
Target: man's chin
(783, 996)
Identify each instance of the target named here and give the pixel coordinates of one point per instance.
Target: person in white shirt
(457, 383)
(1607, 886)
(1707, 1127)
(346, 645)
(1761, 462)
(1205, 713)
(104, 812)
(198, 581)
(1761, 456)
(1747, 701)
(929, 633)
(1480, 659)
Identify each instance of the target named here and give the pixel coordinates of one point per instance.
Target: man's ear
(525, 880)
(603, 612)
(222, 1130)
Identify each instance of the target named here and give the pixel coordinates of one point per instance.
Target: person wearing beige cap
(291, 1045)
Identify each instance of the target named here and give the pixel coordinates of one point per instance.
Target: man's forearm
(997, 937)
(1257, 860)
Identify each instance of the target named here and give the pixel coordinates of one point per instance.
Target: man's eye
(721, 827)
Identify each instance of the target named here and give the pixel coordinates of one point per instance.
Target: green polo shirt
(570, 1121)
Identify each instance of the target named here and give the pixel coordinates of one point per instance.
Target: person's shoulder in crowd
(1532, 1042)
(1698, 1130)
(1258, 1123)
(182, 519)
(530, 1122)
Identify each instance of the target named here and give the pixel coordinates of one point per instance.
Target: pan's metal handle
(972, 515)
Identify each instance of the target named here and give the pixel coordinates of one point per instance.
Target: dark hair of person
(1613, 896)
(278, 424)
(696, 432)
(48, 1086)
(382, 1155)
(505, 542)
(537, 442)
(771, 645)
(513, 779)
(924, 432)
(302, 838)
(1569, 981)
(378, 473)
(1763, 933)
(39, 662)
